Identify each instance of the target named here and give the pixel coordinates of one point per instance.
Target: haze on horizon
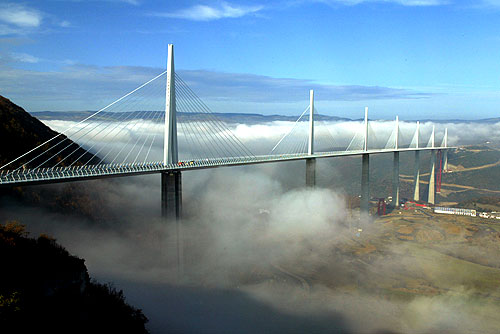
(432, 58)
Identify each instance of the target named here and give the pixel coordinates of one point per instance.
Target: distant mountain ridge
(226, 117)
(245, 118)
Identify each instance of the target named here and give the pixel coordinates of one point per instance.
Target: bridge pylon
(171, 181)
(395, 175)
(310, 149)
(365, 172)
(445, 152)
(311, 162)
(170, 150)
(171, 189)
(431, 198)
(416, 178)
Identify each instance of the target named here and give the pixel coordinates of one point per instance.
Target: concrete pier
(395, 180)
(365, 184)
(432, 180)
(171, 211)
(311, 163)
(416, 178)
(445, 152)
(445, 160)
(311, 173)
(171, 195)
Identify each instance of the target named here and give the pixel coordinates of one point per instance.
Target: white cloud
(20, 16)
(17, 19)
(422, 2)
(209, 13)
(65, 24)
(400, 2)
(25, 58)
(9, 30)
(130, 2)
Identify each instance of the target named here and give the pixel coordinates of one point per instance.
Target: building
(455, 211)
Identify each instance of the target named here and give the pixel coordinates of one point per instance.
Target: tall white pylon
(432, 180)
(445, 155)
(396, 140)
(432, 177)
(365, 147)
(170, 152)
(395, 175)
(433, 136)
(310, 149)
(418, 134)
(416, 178)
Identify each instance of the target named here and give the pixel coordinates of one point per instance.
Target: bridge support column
(171, 195)
(311, 173)
(445, 152)
(365, 184)
(432, 179)
(171, 210)
(395, 180)
(445, 160)
(416, 178)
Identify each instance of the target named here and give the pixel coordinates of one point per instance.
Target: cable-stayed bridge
(163, 127)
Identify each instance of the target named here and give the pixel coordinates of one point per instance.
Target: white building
(455, 211)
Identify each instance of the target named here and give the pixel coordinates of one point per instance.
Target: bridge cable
(215, 127)
(200, 126)
(290, 131)
(118, 122)
(235, 141)
(97, 112)
(197, 127)
(203, 127)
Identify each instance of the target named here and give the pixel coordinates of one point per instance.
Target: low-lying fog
(246, 235)
(144, 140)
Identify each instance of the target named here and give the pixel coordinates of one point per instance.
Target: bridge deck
(76, 173)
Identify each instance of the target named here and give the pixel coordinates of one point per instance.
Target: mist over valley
(263, 253)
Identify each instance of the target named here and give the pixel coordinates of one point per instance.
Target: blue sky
(416, 58)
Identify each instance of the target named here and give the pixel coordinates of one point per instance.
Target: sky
(436, 59)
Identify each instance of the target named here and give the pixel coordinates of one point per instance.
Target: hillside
(44, 289)
(21, 132)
